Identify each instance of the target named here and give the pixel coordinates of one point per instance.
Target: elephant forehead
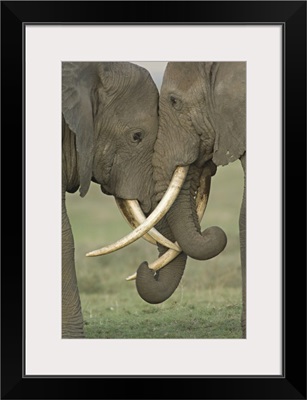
(181, 75)
(133, 95)
(143, 114)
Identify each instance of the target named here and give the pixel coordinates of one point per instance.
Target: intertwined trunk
(156, 287)
(185, 225)
(181, 224)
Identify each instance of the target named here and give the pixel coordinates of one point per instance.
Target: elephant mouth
(144, 227)
(105, 191)
(126, 195)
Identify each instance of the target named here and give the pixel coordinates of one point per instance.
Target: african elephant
(109, 126)
(202, 122)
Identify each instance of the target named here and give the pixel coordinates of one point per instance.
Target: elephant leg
(242, 226)
(72, 320)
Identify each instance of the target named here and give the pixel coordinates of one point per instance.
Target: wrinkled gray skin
(202, 117)
(109, 126)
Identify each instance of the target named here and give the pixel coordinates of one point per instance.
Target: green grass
(207, 303)
(215, 313)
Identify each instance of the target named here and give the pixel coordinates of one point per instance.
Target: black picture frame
(292, 16)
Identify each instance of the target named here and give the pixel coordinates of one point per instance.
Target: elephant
(109, 127)
(202, 125)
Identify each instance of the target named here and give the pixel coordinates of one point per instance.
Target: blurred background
(207, 303)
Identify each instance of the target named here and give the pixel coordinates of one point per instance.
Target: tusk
(166, 258)
(161, 209)
(135, 217)
(203, 193)
(131, 220)
(131, 277)
(201, 203)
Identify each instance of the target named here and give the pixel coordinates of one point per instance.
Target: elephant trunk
(185, 225)
(156, 287)
(181, 224)
(182, 216)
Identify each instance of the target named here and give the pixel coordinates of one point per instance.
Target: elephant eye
(175, 102)
(137, 136)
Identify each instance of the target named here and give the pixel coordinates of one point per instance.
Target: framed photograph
(75, 67)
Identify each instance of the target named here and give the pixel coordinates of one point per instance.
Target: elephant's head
(112, 109)
(109, 127)
(201, 126)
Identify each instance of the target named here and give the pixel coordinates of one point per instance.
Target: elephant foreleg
(72, 320)
(242, 226)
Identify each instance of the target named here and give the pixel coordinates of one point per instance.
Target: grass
(207, 303)
(214, 314)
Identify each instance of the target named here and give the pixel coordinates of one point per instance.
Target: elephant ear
(230, 112)
(78, 83)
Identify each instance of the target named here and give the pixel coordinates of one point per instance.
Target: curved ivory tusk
(135, 217)
(131, 220)
(203, 193)
(131, 277)
(201, 204)
(161, 209)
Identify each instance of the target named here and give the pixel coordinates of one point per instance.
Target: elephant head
(112, 110)
(201, 125)
(109, 127)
